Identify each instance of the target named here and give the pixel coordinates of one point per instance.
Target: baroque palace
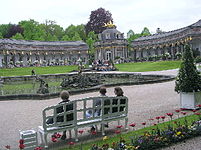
(35, 53)
(111, 46)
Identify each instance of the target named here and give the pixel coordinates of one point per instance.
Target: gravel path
(145, 101)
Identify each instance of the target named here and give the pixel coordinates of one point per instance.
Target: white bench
(74, 116)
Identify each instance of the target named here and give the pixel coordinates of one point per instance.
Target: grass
(127, 136)
(148, 66)
(129, 67)
(38, 70)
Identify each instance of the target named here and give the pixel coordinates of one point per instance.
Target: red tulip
(144, 123)
(21, 146)
(119, 126)
(80, 131)
(57, 135)
(7, 146)
(177, 110)
(21, 141)
(117, 131)
(197, 114)
(157, 118)
(93, 132)
(54, 139)
(184, 113)
(71, 143)
(169, 114)
(198, 105)
(132, 125)
(38, 148)
(194, 110)
(163, 117)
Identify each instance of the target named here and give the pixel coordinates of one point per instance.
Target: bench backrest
(114, 107)
(69, 114)
(59, 115)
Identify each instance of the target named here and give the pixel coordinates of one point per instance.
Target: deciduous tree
(98, 19)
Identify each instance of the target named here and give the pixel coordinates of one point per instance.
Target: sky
(127, 14)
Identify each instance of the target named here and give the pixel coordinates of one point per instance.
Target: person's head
(102, 90)
(118, 91)
(64, 95)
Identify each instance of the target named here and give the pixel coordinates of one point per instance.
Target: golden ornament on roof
(109, 24)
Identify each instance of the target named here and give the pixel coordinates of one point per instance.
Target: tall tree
(145, 32)
(4, 29)
(13, 29)
(98, 19)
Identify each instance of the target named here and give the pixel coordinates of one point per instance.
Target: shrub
(188, 79)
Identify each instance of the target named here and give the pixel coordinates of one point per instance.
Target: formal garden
(160, 131)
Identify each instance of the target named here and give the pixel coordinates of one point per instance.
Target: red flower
(54, 139)
(184, 113)
(197, 114)
(38, 148)
(57, 135)
(7, 146)
(169, 114)
(177, 110)
(163, 117)
(71, 143)
(144, 123)
(119, 126)
(157, 118)
(21, 146)
(117, 131)
(194, 110)
(93, 132)
(151, 119)
(21, 141)
(198, 105)
(132, 125)
(80, 131)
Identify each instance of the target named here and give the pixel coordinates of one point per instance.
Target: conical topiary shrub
(188, 79)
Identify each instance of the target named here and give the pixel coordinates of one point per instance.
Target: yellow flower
(178, 133)
(105, 138)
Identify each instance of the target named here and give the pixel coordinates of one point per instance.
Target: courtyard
(145, 102)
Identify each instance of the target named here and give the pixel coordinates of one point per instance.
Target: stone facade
(111, 45)
(37, 53)
(167, 43)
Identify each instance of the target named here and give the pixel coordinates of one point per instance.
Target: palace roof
(170, 33)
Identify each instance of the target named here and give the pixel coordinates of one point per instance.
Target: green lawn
(38, 70)
(148, 66)
(130, 67)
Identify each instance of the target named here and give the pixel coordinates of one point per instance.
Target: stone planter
(190, 100)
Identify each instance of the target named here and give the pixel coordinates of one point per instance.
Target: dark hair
(64, 95)
(118, 91)
(103, 90)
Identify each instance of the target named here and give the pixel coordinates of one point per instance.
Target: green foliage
(4, 29)
(188, 79)
(38, 70)
(148, 66)
(198, 59)
(76, 37)
(1, 36)
(18, 36)
(145, 32)
(65, 38)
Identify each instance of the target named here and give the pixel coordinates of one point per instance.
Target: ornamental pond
(74, 82)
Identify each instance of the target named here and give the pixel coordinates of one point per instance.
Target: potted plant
(188, 81)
